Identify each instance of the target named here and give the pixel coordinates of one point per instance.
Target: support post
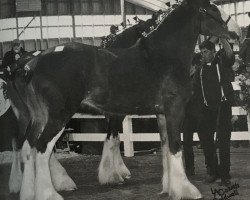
(73, 19)
(17, 26)
(41, 30)
(123, 13)
(127, 133)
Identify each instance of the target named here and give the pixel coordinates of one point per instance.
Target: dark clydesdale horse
(151, 77)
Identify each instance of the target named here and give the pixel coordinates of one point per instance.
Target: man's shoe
(225, 182)
(211, 179)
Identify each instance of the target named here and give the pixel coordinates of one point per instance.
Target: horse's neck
(127, 38)
(176, 38)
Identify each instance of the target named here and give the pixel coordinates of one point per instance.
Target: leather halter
(221, 22)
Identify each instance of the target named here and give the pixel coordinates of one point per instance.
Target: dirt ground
(146, 178)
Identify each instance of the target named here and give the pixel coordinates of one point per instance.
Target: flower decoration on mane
(244, 95)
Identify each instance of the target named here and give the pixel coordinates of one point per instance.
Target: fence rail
(128, 137)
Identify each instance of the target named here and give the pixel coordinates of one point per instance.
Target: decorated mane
(151, 25)
(162, 18)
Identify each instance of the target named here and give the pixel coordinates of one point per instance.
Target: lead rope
(202, 89)
(223, 97)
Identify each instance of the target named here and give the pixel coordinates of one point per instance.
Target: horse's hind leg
(112, 168)
(44, 147)
(16, 175)
(179, 185)
(27, 189)
(59, 176)
(15, 180)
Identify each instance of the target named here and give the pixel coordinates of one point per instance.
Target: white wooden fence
(128, 137)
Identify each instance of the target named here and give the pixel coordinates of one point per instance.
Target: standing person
(192, 116)
(214, 84)
(8, 121)
(244, 53)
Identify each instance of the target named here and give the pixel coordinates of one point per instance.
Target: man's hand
(8, 70)
(227, 47)
(17, 56)
(234, 119)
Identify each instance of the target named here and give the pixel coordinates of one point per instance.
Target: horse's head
(214, 21)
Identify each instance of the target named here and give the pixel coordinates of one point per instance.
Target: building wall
(93, 19)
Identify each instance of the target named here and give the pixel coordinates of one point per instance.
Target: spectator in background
(13, 55)
(214, 85)
(244, 53)
(8, 122)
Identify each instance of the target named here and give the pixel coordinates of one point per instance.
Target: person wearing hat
(8, 121)
(244, 53)
(13, 55)
(214, 86)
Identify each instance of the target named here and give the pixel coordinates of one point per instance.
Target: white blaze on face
(232, 25)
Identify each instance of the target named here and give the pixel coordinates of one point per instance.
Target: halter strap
(203, 10)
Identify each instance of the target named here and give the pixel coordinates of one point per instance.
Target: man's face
(207, 55)
(17, 48)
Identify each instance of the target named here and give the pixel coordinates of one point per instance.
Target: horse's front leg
(179, 186)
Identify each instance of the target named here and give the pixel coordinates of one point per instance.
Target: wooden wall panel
(52, 7)
(30, 45)
(63, 7)
(97, 6)
(108, 7)
(77, 7)
(53, 42)
(129, 8)
(28, 5)
(7, 8)
(86, 7)
(117, 7)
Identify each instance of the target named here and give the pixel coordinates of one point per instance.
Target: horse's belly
(124, 104)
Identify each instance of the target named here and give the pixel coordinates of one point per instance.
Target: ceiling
(155, 5)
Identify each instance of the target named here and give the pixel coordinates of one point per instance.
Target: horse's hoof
(66, 185)
(127, 177)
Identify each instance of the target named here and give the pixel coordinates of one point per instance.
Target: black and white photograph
(124, 99)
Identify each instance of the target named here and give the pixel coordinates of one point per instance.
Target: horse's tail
(20, 110)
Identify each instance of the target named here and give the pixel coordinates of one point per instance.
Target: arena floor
(146, 178)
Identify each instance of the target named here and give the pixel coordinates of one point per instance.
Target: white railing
(128, 137)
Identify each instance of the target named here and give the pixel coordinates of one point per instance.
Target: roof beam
(153, 5)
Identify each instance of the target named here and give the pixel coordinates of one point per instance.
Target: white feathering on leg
(16, 175)
(112, 168)
(179, 186)
(165, 162)
(59, 176)
(27, 188)
(119, 164)
(44, 189)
